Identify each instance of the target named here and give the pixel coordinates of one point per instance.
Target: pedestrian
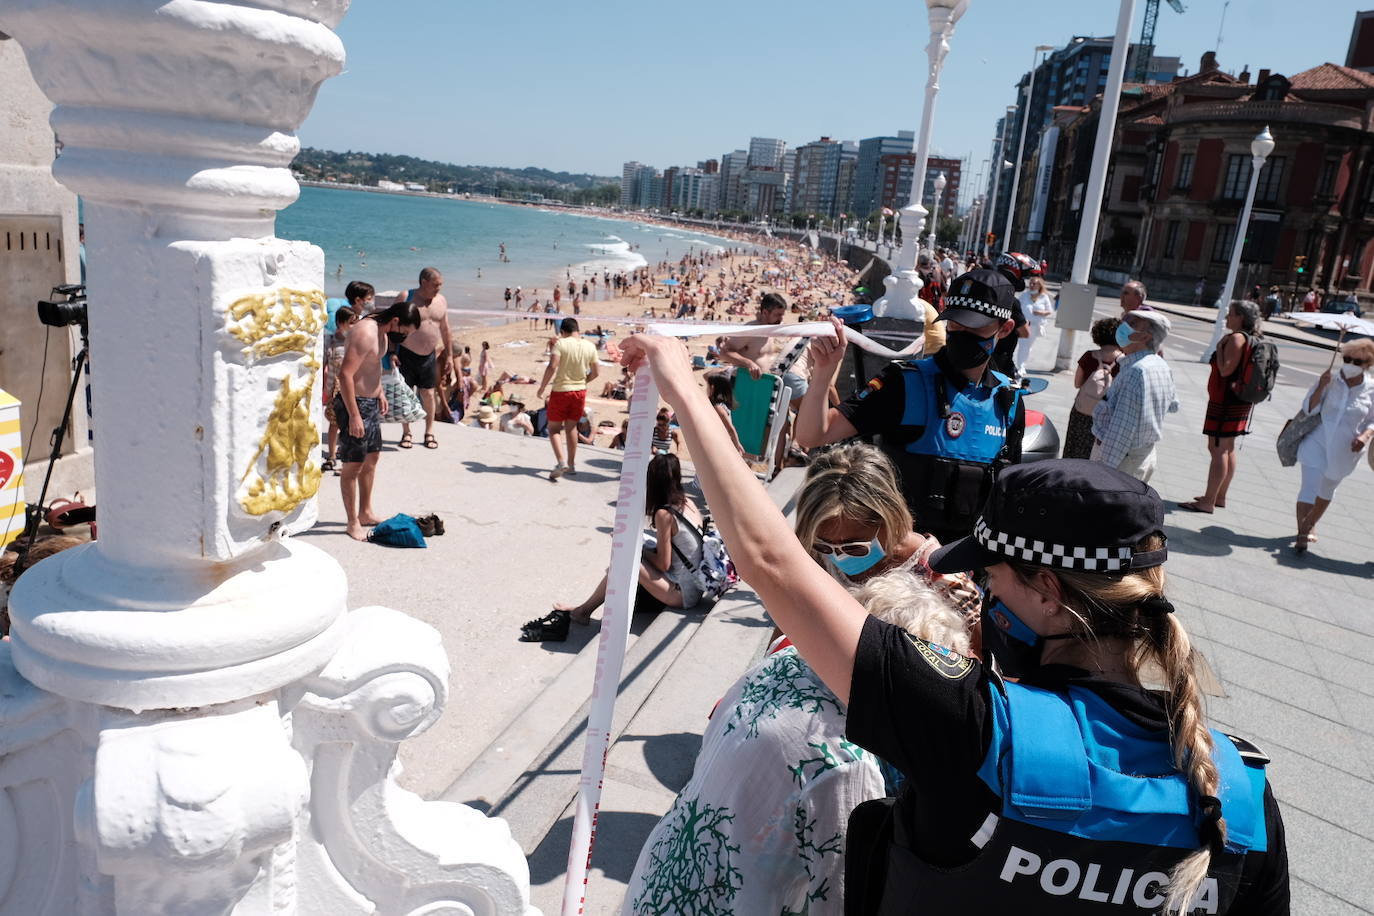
(668, 563)
(664, 437)
(947, 422)
(1038, 306)
(486, 368)
(1129, 421)
(426, 357)
(1309, 301)
(1017, 268)
(571, 367)
(515, 421)
(1133, 296)
(507, 297)
(362, 402)
(1198, 290)
(1014, 790)
(1092, 377)
(720, 390)
(344, 319)
(1228, 417)
(1273, 303)
(1331, 451)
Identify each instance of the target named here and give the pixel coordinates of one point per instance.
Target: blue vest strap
(918, 381)
(1048, 778)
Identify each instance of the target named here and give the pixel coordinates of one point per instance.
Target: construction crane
(1146, 48)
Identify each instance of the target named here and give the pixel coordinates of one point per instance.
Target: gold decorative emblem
(290, 477)
(278, 321)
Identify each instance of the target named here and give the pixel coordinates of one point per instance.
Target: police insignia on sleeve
(948, 663)
(874, 384)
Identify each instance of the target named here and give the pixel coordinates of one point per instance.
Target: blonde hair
(903, 599)
(856, 482)
(1110, 606)
(1361, 349)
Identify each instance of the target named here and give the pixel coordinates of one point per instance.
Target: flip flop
(407, 441)
(1194, 507)
(430, 441)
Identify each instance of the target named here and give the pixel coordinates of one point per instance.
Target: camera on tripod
(67, 306)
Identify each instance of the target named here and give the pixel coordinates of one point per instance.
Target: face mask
(1016, 646)
(396, 337)
(854, 566)
(1123, 335)
(1350, 370)
(966, 350)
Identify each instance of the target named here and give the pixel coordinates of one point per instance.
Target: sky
(585, 87)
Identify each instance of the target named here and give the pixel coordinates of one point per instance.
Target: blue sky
(584, 87)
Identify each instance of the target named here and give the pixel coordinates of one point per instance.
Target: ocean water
(386, 239)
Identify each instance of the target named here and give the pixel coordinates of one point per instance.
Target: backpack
(398, 531)
(1094, 388)
(716, 573)
(1259, 369)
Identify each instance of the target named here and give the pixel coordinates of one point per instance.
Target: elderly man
(1129, 421)
(1132, 296)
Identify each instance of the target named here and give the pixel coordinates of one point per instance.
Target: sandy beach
(811, 282)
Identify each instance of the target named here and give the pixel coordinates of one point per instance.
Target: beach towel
(402, 406)
(753, 413)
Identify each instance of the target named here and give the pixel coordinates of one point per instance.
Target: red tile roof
(1333, 76)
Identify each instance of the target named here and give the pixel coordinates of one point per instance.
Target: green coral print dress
(759, 829)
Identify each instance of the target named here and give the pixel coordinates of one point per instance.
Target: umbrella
(669, 282)
(1344, 323)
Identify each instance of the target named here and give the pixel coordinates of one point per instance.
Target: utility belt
(944, 494)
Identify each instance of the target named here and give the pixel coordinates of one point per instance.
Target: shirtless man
(427, 354)
(361, 400)
(757, 355)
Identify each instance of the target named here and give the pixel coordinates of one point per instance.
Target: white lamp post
(1097, 181)
(904, 285)
(1260, 148)
(1021, 147)
(933, 237)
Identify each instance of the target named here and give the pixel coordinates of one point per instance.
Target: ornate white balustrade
(191, 721)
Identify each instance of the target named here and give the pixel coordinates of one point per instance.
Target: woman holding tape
(1075, 790)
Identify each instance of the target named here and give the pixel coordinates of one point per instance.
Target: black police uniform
(947, 436)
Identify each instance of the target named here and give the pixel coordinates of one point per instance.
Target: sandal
(406, 441)
(550, 628)
(1300, 547)
(1194, 507)
(327, 465)
(64, 513)
(430, 441)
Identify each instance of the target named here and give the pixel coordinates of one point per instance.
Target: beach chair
(761, 406)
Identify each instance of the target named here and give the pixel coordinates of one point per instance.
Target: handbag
(1294, 431)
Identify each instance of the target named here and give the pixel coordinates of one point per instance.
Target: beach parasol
(1344, 323)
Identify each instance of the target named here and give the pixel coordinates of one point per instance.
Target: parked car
(1349, 305)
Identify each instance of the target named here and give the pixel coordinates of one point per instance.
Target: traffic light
(991, 237)
(1300, 264)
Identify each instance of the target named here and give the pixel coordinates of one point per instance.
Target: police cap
(978, 298)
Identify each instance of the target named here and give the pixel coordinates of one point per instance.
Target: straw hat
(485, 415)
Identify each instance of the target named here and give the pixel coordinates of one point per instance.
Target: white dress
(760, 827)
(1346, 412)
(1038, 311)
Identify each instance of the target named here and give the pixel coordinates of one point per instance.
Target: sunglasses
(1350, 360)
(849, 548)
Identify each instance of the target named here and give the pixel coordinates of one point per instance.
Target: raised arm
(822, 619)
(817, 422)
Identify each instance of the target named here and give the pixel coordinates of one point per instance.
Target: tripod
(33, 512)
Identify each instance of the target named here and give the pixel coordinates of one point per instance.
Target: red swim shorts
(567, 406)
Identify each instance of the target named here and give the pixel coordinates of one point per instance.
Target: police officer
(947, 421)
(1075, 789)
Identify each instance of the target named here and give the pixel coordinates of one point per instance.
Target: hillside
(369, 168)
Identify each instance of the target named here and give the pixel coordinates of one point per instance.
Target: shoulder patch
(948, 663)
(874, 384)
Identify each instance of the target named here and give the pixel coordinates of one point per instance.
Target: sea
(386, 239)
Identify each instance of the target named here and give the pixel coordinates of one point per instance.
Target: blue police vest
(947, 469)
(1094, 815)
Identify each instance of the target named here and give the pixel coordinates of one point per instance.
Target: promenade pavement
(1291, 639)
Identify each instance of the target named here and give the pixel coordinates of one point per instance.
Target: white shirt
(1036, 308)
(517, 424)
(1346, 412)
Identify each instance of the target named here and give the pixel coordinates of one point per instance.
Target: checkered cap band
(973, 304)
(1091, 559)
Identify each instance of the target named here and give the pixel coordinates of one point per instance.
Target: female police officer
(1075, 790)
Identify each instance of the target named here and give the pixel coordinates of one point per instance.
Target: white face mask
(1350, 370)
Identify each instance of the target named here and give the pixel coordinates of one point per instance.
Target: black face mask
(966, 350)
(1015, 646)
(396, 337)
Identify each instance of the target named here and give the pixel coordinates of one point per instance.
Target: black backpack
(1254, 381)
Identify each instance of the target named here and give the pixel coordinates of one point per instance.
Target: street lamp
(933, 237)
(904, 285)
(1021, 146)
(1260, 148)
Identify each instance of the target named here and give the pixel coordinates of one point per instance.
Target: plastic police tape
(623, 575)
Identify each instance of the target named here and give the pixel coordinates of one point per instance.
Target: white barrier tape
(688, 328)
(621, 581)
